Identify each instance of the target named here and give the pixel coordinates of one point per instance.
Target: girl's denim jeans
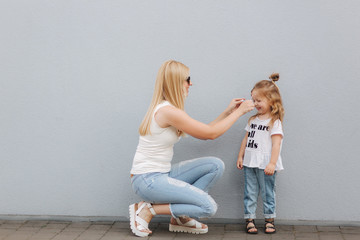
(256, 181)
(185, 187)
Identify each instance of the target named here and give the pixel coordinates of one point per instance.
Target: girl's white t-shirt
(258, 146)
(155, 151)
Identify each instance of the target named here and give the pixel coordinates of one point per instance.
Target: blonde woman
(179, 190)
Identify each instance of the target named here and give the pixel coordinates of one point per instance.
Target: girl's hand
(246, 106)
(239, 163)
(234, 104)
(270, 169)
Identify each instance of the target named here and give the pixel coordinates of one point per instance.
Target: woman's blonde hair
(271, 91)
(169, 86)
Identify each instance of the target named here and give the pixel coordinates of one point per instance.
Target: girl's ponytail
(274, 77)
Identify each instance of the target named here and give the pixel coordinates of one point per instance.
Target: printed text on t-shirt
(251, 142)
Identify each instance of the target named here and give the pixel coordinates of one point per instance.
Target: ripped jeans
(185, 187)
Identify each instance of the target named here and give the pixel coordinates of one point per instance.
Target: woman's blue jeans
(256, 181)
(185, 187)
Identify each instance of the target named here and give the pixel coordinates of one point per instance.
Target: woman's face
(187, 84)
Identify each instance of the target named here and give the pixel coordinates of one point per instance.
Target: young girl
(260, 153)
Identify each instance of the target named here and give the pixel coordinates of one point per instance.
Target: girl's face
(262, 104)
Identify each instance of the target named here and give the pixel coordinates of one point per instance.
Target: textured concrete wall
(76, 78)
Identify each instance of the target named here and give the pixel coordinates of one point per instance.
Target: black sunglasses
(188, 80)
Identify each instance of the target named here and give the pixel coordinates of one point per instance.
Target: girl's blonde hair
(271, 91)
(169, 86)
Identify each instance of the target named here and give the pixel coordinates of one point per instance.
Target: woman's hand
(246, 106)
(234, 104)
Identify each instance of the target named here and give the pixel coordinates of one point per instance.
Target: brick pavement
(61, 230)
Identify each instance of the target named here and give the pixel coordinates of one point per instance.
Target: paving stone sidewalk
(60, 230)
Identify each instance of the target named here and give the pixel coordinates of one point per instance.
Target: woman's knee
(218, 164)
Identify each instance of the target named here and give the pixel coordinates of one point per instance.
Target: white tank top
(155, 151)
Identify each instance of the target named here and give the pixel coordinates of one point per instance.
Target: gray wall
(77, 77)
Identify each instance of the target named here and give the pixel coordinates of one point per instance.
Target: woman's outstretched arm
(235, 103)
(171, 116)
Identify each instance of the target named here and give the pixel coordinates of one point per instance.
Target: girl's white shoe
(191, 226)
(141, 223)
